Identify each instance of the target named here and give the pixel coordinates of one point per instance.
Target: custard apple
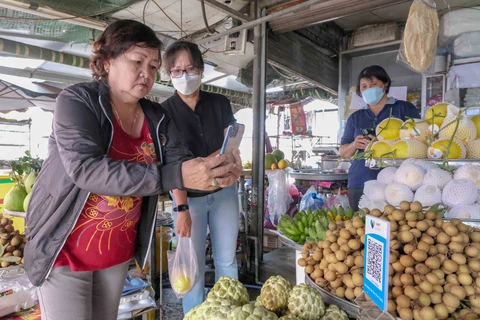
(250, 312)
(333, 312)
(230, 289)
(290, 317)
(306, 302)
(212, 309)
(274, 294)
(258, 302)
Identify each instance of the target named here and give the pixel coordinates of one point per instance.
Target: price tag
(376, 260)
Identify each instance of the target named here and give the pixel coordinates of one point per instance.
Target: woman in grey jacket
(111, 152)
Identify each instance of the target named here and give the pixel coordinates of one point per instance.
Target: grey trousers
(354, 195)
(90, 295)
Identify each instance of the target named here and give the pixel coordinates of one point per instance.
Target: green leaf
(10, 259)
(28, 153)
(2, 250)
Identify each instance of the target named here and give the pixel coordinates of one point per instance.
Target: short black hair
(117, 39)
(191, 48)
(374, 72)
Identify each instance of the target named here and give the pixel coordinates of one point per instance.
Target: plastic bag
(16, 292)
(279, 198)
(311, 200)
(456, 23)
(418, 49)
(338, 200)
(183, 267)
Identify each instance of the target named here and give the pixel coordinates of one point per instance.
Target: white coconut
(428, 195)
(426, 165)
(385, 176)
(463, 211)
(398, 192)
(410, 175)
(437, 177)
(468, 172)
(458, 192)
(375, 190)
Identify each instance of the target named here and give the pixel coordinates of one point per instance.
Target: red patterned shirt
(106, 230)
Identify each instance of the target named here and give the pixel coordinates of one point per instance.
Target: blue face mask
(372, 96)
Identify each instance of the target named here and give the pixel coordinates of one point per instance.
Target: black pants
(354, 195)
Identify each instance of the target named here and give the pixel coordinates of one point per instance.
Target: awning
(19, 94)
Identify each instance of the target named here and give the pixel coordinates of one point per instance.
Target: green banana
(311, 219)
(334, 210)
(301, 226)
(309, 211)
(340, 212)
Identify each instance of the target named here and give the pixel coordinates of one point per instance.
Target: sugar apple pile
(230, 289)
(212, 309)
(290, 317)
(251, 312)
(333, 312)
(306, 302)
(274, 294)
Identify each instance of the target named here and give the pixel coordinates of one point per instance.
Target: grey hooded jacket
(77, 165)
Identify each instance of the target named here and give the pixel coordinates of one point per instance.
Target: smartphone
(233, 138)
(367, 132)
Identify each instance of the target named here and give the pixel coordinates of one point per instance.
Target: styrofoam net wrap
(428, 195)
(466, 131)
(386, 175)
(463, 211)
(410, 175)
(437, 177)
(426, 165)
(473, 149)
(375, 190)
(398, 192)
(414, 129)
(458, 192)
(468, 172)
(365, 202)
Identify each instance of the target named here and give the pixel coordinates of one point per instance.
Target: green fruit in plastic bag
(26, 202)
(30, 180)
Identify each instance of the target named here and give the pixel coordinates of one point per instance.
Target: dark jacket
(77, 165)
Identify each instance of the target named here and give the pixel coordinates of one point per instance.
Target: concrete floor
(278, 262)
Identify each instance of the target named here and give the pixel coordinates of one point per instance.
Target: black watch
(181, 208)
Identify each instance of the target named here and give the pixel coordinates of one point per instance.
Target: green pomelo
(14, 199)
(269, 160)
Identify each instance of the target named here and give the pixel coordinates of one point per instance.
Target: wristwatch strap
(181, 208)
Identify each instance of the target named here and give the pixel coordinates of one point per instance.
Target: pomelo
(26, 202)
(14, 199)
(30, 180)
(269, 160)
(279, 154)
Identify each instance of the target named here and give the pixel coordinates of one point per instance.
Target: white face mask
(187, 84)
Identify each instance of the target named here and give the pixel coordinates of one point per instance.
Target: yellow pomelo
(437, 113)
(473, 149)
(439, 147)
(414, 129)
(410, 149)
(379, 148)
(466, 131)
(476, 120)
(389, 129)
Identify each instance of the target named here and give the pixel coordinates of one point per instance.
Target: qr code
(374, 262)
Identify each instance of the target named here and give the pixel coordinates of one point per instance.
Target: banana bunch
(308, 226)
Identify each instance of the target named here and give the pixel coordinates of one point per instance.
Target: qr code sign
(374, 262)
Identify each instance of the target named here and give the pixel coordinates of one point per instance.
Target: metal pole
(258, 22)
(258, 170)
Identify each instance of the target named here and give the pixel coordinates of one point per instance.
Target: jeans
(220, 212)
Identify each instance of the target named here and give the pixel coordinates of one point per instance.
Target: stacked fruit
(12, 244)
(308, 226)
(430, 137)
(229, 300)
(434, 265)
(276, 160)
(428, 183)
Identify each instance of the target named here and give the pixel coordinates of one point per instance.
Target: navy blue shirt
(366, 119)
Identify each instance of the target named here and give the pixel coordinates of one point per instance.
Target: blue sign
(376, 260)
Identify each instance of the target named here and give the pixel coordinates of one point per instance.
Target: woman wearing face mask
(201, 119)
(373, 84)
(111, 153)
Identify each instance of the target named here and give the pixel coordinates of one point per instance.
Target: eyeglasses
(191, 71)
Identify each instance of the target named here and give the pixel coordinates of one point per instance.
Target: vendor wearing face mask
(202, 119)
(373, 84)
